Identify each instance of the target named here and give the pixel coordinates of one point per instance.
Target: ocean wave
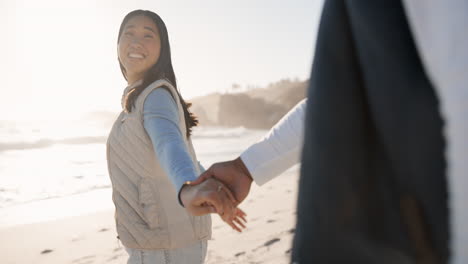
(11, 197)
(199, 133)
(44, 143)
(86, 169)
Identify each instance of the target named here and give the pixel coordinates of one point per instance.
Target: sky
(59, 57)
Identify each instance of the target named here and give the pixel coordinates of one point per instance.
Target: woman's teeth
(135, 56)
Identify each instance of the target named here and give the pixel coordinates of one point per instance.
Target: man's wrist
(240, 164)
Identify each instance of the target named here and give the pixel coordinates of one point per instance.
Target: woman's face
(139, 47)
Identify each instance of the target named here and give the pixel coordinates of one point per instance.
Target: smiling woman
(150, 156)
(145, 55)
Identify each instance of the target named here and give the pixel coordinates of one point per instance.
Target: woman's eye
(148, 36)
(128, 34)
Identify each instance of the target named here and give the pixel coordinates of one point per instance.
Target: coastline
(84, 232)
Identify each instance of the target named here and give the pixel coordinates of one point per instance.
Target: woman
(149, 152)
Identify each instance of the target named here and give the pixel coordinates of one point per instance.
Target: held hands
(212, 196)
(204, 195)
(233, 174)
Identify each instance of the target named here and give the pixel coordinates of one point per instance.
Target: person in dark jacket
(373, 185)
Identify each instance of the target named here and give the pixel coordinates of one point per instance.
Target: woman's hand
(234, 174)
(212, 196)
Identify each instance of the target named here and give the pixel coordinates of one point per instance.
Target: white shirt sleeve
(280, 149)
(440, 31)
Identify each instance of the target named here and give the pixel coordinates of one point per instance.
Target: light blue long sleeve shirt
(161, 119)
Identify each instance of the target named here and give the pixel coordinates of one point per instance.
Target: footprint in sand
(46, 251)
(288, 251)
(292, 230)
(117, 249)
(115, 257)
(268, 243)
(239, 254)
(84, 260)
(271, 242)
(77, 238)
(87, 262)
(103, 230)
(271, 221)
(254, 219)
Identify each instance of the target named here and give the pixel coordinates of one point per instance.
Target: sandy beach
(91, 237)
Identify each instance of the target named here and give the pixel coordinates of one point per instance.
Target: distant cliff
(258, 108)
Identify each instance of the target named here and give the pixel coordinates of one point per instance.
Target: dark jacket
(372, 186)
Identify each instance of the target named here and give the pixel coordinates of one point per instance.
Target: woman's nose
(135, 41)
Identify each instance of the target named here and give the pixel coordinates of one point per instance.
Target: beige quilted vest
(148, 214)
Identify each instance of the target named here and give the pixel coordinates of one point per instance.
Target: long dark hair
(162, 69)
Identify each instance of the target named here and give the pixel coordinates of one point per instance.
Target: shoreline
(84, 231)
(52, 209)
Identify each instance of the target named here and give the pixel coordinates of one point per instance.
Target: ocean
(47, 161)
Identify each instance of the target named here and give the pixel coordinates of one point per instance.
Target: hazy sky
(59, 57)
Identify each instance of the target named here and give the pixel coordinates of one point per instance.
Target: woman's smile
(136, 55)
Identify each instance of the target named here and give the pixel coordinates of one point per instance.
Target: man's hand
(233, 174)
(211, 196)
